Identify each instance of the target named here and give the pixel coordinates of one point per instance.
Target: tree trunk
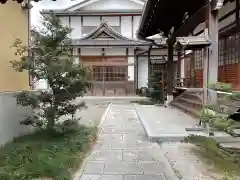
(50, 124)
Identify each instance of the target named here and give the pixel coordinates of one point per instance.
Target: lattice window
(198, 57)
(98, 73)
(222, 52)
(229, 50)
(110, 73)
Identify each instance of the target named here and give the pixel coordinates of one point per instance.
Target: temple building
(104, 38)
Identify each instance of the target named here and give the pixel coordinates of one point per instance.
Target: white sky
(48, 4)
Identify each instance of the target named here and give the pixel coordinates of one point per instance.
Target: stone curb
(104, 116)
(156, 137)
(167, 168)
(79, 173)
(146, 128)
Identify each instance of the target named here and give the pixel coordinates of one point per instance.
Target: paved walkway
(123, 151)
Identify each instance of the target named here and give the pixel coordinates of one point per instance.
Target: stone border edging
(150, 136)
(79, 173)
(167, 168)
(104, 116)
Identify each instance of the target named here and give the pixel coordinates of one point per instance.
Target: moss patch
(43, 155)
(225, 163)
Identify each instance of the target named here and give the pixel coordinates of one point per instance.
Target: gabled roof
(104, 35)
(88, 2)
(104, 29)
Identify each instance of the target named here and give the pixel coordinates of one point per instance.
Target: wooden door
(110, 75)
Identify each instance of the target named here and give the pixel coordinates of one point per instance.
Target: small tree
(156, 83)
(53, 61)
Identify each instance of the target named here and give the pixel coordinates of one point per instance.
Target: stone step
(231, 146)
(186, 109)
(191, 101)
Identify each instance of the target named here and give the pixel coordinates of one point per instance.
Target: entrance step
(171, 125)
(190, 102)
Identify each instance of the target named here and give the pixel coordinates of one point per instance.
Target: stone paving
(123, 152)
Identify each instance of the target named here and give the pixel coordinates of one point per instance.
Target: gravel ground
(186, 164)
(93, 114)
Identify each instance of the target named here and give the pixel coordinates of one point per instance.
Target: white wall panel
(115, 51)
(126, 26)
(226, 8)
(91, 52)
(112, 20)
(142, 72)
(64, 20)
(91, 20)
(131, 69)
(112, 4)
(136, 21)
(182, 68)
(76, 26)
(131, 60)
(10, 117)
(227, 21)
(42, 84)
(131, 51)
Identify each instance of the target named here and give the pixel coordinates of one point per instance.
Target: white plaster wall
(76, 26)
(131, 51)
(91, 20)
(112, 4)
(182, 75)
(10, 117)
(226, 8)
(227, 21)
(112, 20)
(142, 72)
(91, 51)
(131, 68)
(126, 26)
(115, 51)
(75, 51)
(136, 21)
(223, 11)
(64, 20)
(41, 85)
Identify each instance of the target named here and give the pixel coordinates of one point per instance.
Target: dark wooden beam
(190, 24)
(170, 70)
(237, 12)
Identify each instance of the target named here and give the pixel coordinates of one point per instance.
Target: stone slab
(102, 177)
(170, 125)
(144, 177)
(120, 167)
(94, 167)
(124, 156)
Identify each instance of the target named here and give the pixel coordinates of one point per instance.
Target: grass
(225, 163)
(41, 155)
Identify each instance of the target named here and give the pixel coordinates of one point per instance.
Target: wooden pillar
(149, 65)
(136, 74)
(170, 73)
(192, 70)
(210, 69)
(179, 65)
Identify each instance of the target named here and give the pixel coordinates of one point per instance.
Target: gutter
(148, 10)
(143, 19)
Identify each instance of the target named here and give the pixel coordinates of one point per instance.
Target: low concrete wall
(10, 117)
